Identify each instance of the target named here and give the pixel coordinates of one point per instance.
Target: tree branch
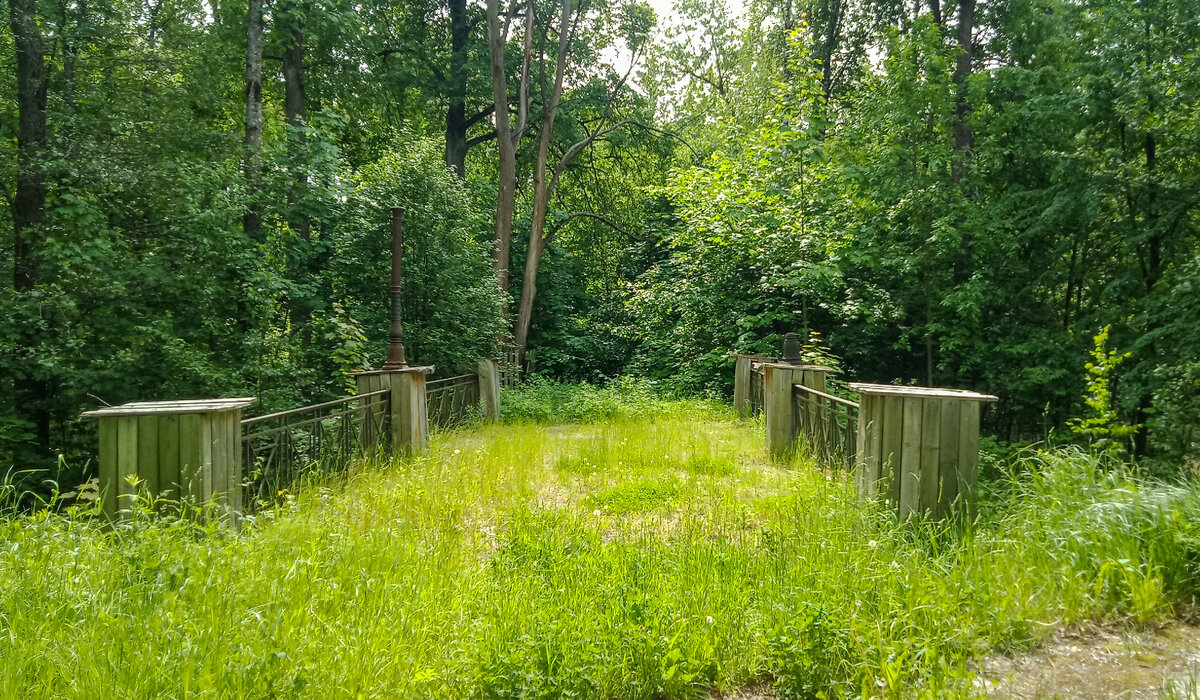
(585, 215)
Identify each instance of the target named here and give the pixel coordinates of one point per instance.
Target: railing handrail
(447, 380)
(831, 397)
(314, 407)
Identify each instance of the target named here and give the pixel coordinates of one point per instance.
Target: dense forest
(999, 195)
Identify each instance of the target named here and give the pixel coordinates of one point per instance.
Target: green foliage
(1102, 428)
(548, 401)
(451, 300)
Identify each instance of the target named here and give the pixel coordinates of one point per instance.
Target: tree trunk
(252, 220)
(964, 138)
(507, 176)
(31, 394)
(542, 186)
(456, 113)
(1153, 273)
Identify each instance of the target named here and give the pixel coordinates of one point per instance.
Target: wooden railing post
(409, 420)
(919, 448)
(742, 365)
(489, 387)
(181, 450)
(782, 416)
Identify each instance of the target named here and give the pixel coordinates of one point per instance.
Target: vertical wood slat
(108, 466)
(968, 453)
(948, 454)
(147, 467)
(741, 385)
(890, 452)
(233, 433)
(872, 407)
(168, 456)
(127, 454)
(191, 479)
(931, 428)
(910, 458)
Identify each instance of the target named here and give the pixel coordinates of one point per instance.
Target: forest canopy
(1001, 195)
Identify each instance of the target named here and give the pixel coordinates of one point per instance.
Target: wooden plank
(860, 454)
(968, 454)
(189, 458)
(148, 454)
(898, 390)
(741, 385)
(872, 419)
(233, 428)
(220, 455)
(931, 432)
(168, 456)
(108, 465)
(910, 458)
(204, 460)
(892, 419)
(778, 410)
(127, 459)
(948, 454)
(141, 408)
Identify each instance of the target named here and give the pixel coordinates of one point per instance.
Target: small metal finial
(791, 349)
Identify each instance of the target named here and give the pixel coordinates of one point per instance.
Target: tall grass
(622, 557)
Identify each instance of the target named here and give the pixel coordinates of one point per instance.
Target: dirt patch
(1101, 663)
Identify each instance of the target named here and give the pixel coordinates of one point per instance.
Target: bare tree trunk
(456, 113)
(542, 186)
(964, 138)
(507, 138)
(252, 220)
(507, 185)
(295, 105)
(31, 395)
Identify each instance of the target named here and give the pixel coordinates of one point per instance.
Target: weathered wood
(127, 454)
(778, 410)
(890, 452)
(107, 478)
(488, 370)
(931, 430)
(191, 458)
(742, 365)
(147, 458)
(143, 408)
(927, 459)
(168, 456)
(860, 454)
(968, 454)
(948, 454)
(910, 458)
(873, 417)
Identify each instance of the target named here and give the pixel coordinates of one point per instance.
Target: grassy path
(654, 558)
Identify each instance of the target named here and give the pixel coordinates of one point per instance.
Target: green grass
(653, 555)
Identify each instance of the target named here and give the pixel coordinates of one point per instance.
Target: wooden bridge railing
(204, 452)
(915, 448)
(827, 425)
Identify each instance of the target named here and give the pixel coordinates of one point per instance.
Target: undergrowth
(651, 554)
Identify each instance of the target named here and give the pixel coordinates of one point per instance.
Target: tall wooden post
(180, 450)
(742, 366)
(780, 411)
(488, 370)
(919, 448)
(407, 418)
